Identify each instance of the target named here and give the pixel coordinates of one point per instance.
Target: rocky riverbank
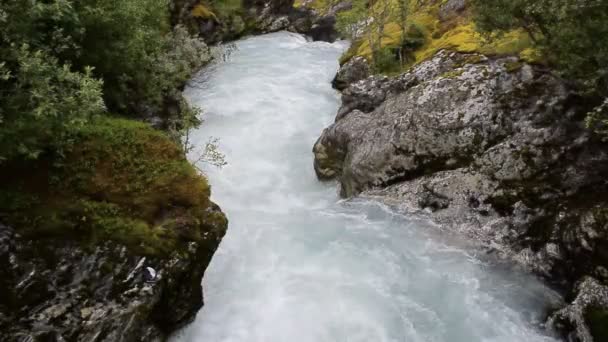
(111, 245)
(256, 17)
(494, 148)
(57, 290)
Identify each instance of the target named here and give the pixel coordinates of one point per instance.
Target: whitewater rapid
(300, 264)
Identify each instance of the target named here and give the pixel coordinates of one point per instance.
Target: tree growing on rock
(379, 13)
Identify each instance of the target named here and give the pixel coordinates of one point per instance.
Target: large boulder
(493, 148)
(454, 111)
(62, 290)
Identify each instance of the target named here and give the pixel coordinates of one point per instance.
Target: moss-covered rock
(83, 228)
(444, 25)
(121, 181)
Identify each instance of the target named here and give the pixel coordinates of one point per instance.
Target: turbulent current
(300, 264)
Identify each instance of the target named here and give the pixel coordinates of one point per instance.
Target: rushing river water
(298, 263)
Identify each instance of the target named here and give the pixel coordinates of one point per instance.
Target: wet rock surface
(493, 148)
(62, 290)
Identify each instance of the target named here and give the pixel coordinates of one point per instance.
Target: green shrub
(59, 58)
(572, 34)
(69, 170)
(42, 102)
(122, 181)
(386, 61)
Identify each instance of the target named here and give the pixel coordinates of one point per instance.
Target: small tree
(379, 13)
(42, 102)
(403, 7)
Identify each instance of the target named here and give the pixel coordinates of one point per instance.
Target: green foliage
(227, 8)
(132, 48)
(412, 39)
(66, 168)
(129, 44)
(386, 61)
(348, 23)
(121, 181)
(56, 56)
(42, 101)
(571, 34)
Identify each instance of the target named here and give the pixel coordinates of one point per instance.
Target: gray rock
(61, 290)
(352, 71)
(278, 24)
(499, 155)
(590, 296)
(437, 122)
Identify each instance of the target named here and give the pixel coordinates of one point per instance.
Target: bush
(68, 169)
(56, 56)
(122, 181)
(42, 102)
(386, 61)
(572, 34)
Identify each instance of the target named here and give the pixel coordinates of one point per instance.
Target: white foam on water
(298, 263)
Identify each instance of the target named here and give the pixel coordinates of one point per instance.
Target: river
(300, 264)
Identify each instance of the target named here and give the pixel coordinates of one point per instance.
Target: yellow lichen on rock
(201, 11)
(457, 33)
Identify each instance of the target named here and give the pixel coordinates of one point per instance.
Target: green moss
(124, 181)
(351, 52)
(227, 8)
(453, 73)
(457, 33)
(473, 59)
(203, 12)
(513, 66)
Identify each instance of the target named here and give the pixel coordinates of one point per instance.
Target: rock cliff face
(494, 148)
(256, 17)
(61, 290)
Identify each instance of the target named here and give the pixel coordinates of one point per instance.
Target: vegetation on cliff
(122, 181)
(407, 32)
(570, 36)
(68, 166)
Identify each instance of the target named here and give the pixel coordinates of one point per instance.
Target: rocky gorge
(132, 280)
(256, 17)
(491, 147)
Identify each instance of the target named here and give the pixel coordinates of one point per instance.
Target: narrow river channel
(300, 264)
